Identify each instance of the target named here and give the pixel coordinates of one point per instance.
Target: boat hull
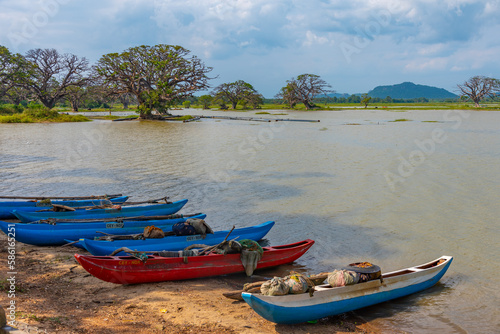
(129, 270)
(103, 248)
(52, 235)
(328, 301)
(126, 211)
(6, 207)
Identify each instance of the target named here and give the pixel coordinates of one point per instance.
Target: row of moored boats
(150, 241)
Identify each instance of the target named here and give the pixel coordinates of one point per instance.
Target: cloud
(268, 42)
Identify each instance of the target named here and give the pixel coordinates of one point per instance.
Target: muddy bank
(55, 294)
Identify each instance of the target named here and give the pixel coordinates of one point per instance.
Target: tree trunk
(74, 105)
(308, 105)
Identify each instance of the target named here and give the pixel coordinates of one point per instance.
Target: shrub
(40, 112)
(10, 109)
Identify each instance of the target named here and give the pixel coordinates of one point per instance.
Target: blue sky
(353, 45)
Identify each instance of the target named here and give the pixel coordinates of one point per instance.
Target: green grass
(21, 118)
(112, 117)
(262, 113)
(401, 120)
(183, 118)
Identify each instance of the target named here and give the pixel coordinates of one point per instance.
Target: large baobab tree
(51, 75)
(303, 89)
(158, 76)
(478, 88)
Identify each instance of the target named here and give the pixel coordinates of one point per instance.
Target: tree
(304, 89)
(235, 92)
(125, 99)
(51, 74)
(287, 95)
(478, 88)
(11, 66)
(76, 95)
(158, 76)
(205, 101)
(365, 99)
(255, 101)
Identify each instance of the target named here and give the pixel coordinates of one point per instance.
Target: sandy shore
(55, 294)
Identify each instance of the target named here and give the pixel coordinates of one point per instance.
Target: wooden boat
(103, 247)
(6, 207)
(130, 270)
(45, 234)
(126, 211)
(328, 301)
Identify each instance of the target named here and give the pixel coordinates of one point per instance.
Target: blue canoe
(6, 207)
(126, 211)
(328, 301)
(51, 235)
(172, 243)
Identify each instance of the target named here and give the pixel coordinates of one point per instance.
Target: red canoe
(129, 270)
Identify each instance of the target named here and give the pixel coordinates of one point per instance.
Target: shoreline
(54, 293)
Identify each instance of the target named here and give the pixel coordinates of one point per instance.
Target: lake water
(364, 187)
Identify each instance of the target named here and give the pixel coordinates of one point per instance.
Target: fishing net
(153, 232)
(251, 245)
(44, 202)
(342, 278)
(297, 284)
(275, 287)
(200, 226)
(183, 228)
(181, 253)
(250, 255)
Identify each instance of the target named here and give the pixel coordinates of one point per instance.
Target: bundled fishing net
(192, 226)
(297, 283)
(200, 226)
(183, 228)
(251, 254)
(153, 232)
(366, 271)
(44, 202)
(181, 253)
(342, 278)
(275, 287)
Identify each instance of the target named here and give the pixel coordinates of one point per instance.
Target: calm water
(365, 188)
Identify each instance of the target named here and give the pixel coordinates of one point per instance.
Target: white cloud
(268, 42)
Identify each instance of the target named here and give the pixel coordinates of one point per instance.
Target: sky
(353, 45)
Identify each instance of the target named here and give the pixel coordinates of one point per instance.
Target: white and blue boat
(329, 301)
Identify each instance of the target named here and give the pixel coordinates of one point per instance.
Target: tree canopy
(479, 87)
(158, 76)
(11, 66)
(237, 92)
(303, 89)
(50, 74)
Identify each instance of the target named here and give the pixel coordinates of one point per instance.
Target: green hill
(409, 90)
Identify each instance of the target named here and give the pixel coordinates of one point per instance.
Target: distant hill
(409, 90)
